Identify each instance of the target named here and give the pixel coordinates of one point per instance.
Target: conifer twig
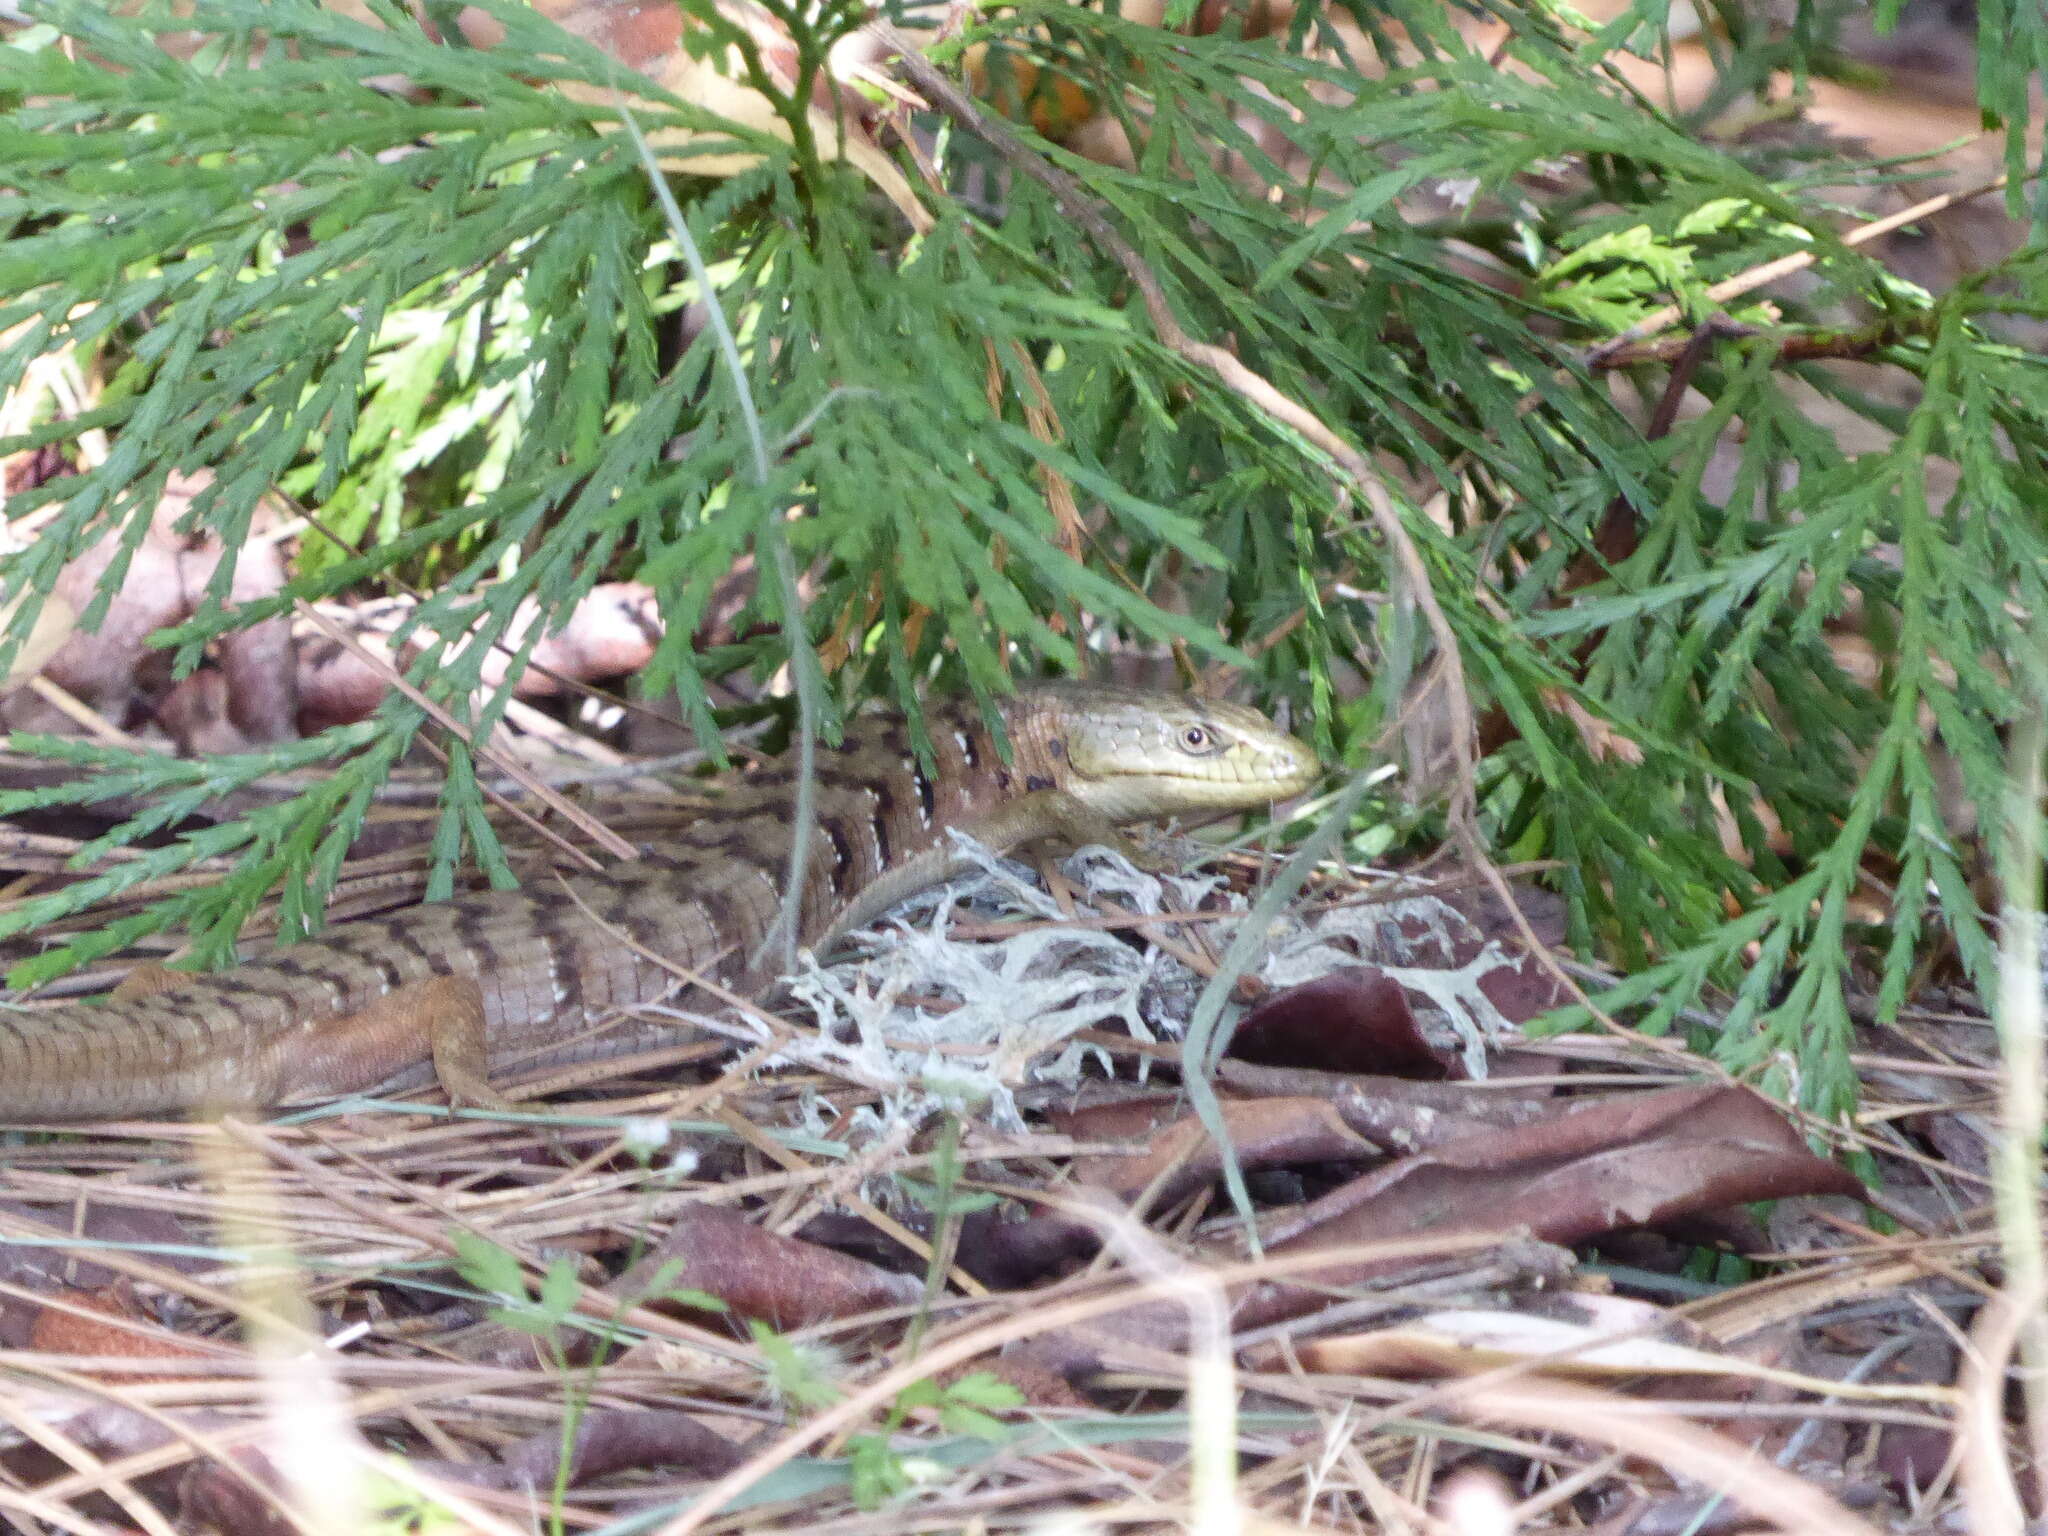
(1357, 473)
(1784, 266)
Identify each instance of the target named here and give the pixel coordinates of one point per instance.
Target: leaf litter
(966, 1140)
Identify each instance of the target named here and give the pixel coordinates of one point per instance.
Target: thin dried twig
(618, 847)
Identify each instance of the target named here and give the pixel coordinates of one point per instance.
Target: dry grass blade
(1787, 1502)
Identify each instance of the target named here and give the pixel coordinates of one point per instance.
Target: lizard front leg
(384, 1037)
(379, 1040)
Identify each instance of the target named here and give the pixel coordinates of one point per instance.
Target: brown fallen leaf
(1623, 1162)
(606, 1441)
(73, 1328)
(1126, 1116)
(1180, 1157)
(1265, 1133)
(212, 1498)
(28, 1269)
(1631, 1161)
(1589, 1337)
(783, 1281)
(115, 1431)
(1353, 1019)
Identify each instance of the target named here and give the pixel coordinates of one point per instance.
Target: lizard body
(453, 989)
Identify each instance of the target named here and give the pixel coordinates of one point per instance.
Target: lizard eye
(1196, 738)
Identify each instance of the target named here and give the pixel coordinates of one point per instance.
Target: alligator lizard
(452, 989)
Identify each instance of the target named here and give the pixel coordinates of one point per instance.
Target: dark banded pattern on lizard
(454, 989)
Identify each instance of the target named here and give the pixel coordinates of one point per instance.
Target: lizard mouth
(1239, 778)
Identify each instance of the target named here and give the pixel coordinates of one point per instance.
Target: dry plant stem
(589, 1303)
(151, 1337)
(414, 1192)
(83, 715)
(184, 1442)
(1794, 347)
(25, 1507)
(1564, 1490)
(301, 1399)
(1990, 1497)
(135, 1267)
(2016, 1167)
(187, 1444)
(1213, 1505)
(561, 679)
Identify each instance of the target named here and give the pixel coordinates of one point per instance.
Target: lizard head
(1131, 755)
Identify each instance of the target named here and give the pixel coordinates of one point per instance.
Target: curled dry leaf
(1590, 1337)
(1632, 1161)
(1354, 1019)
